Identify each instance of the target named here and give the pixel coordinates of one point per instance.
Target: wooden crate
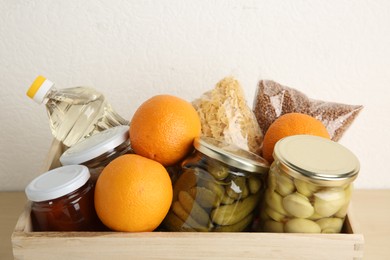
(175, 245)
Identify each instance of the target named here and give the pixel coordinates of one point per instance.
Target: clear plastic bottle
(74, 113)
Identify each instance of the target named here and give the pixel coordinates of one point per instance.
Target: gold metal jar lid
(316, 159)
(231, 155)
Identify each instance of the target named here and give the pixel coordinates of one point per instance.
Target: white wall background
(131, 50)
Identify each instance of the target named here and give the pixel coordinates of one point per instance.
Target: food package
(273, 100)
(225, 116)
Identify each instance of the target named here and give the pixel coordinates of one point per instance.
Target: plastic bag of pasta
(225, 116)
(273, 100)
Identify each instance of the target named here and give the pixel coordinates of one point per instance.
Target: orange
(163, 129)
(291, 124)
(133, 194)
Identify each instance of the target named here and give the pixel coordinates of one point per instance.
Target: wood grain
(168, 245)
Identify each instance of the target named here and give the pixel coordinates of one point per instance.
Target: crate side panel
(161, 245)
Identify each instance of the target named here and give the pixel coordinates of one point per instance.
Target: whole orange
(133, 194)
(163, 129)
(291, 124)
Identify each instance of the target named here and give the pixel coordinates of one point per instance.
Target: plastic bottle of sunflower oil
(74, 113)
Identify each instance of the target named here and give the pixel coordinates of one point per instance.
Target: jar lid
(57, 183)
(95, 145)
(231, 155)
(316, 159)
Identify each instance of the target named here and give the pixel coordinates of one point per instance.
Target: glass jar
(63, 200)
(309, 186)
(218, 190)
(98, 150)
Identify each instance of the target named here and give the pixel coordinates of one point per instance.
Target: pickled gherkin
(217, 191)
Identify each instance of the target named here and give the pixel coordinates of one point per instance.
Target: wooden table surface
(371, 210)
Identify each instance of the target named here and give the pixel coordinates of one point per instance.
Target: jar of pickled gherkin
(219, 189)
(309, 186)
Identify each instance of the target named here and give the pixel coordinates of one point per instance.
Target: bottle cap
(57, 183)
(95, 145)
(39, 89)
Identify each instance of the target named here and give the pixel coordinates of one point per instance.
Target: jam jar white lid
(95, 145)
(57, 182)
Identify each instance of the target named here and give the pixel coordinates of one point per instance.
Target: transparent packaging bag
(273, 100)
(225, 116)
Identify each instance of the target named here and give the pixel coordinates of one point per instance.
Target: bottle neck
(50, 93)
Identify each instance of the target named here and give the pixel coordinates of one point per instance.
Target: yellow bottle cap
(39, 88)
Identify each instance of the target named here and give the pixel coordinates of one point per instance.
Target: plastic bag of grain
(273, 100)
(225, 116)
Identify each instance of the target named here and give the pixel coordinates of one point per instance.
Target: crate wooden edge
(166, 245)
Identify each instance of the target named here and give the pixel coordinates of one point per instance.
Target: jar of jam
(309, 186)
(98, 150)
(218, 190)
(62, 200)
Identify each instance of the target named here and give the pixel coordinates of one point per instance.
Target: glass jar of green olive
(309, 186)
(219, 189)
